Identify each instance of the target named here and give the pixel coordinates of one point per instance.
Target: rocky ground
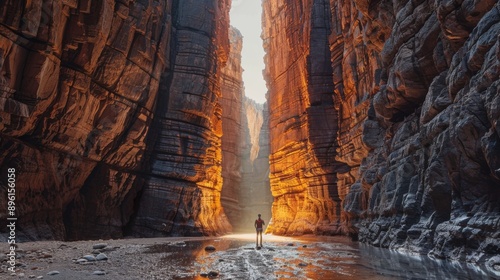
(234, 257)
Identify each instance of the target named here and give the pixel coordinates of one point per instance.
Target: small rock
(13, 274)
(179, 243)
(101, 257)
(53, 272)
(210, 248)
(213, 274)
(89, 258)
(221, 260)
(99, 246)
(39, 277)
(99, 272)
(203, 274)
(21, 274)
(302, 264)
(290, 244)
(96, 252)
(305, 246)
(81, 261)
(31, 276)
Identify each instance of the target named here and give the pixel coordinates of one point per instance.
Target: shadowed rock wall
(303, 120)
(255, 191)
(233, 96)
(182, 195)
(80, 85)
(416, 93)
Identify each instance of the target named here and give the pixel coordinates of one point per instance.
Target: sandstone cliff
(303, 120)
(233, 95)
(415, 91)
(81, 82)
(255, 191)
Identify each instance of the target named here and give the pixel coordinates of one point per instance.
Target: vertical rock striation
(255, 191)
(111, 109)
(182, 194)
(303, 119)
(415, 91)
(233, 96)
(78, 86)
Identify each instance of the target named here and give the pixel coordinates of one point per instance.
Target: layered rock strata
(430, 181)
(303, 119)
(81, 82)
(233, 96)
(255, 191)
(415, 97)
(182, 196)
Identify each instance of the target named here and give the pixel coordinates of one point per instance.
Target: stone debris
(54, 272)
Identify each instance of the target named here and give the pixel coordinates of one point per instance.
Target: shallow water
(236, 257)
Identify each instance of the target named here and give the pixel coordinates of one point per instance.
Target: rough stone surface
(416, 98)
(233, 95)
(80, 85)
(303, 119)
(182, 195)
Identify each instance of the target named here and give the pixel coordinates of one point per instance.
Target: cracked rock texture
(415, 98)
(110, 108)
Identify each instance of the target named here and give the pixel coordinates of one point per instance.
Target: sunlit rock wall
(183, 194)
(232, 100)
(255, 190)
(78, 85)
(415, 91)
(431, 179)
(303, 120)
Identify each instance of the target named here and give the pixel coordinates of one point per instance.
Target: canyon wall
(110, 108)
(255, 190)
(303, 119)
(415, 97)
(233, 96)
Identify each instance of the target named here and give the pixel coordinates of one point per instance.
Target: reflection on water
(302, 258)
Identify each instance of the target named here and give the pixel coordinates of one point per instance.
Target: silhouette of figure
(259, 224)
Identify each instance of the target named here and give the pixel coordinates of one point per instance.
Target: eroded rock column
(303, 118)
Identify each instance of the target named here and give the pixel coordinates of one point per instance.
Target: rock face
(182, 194)
(255, 190)
(245, 152)
(415, 95)
(303, 119)
(233, 95)
(81, 82)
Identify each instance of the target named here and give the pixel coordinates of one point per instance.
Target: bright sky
(246, 17)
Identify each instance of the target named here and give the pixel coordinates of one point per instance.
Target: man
(259, 224)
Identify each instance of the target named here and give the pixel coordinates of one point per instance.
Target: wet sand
(235, 257)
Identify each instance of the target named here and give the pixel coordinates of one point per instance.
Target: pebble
(39, 277)
(302, 264)
(21, 274)
(89, 258)
(101, 257)
(213, 274)
(99, 246)
(210, 248)
(180, 243)
(305, 246)
(53, 272)
(81, 261)
(95, 252)
(31, 276)
(13, 274)
(290, 244)
(99, 272)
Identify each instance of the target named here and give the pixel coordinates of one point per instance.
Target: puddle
(236, 257)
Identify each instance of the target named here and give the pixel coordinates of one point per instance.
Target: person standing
(259, 226)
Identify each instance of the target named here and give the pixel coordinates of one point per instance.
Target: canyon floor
(235, 257)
